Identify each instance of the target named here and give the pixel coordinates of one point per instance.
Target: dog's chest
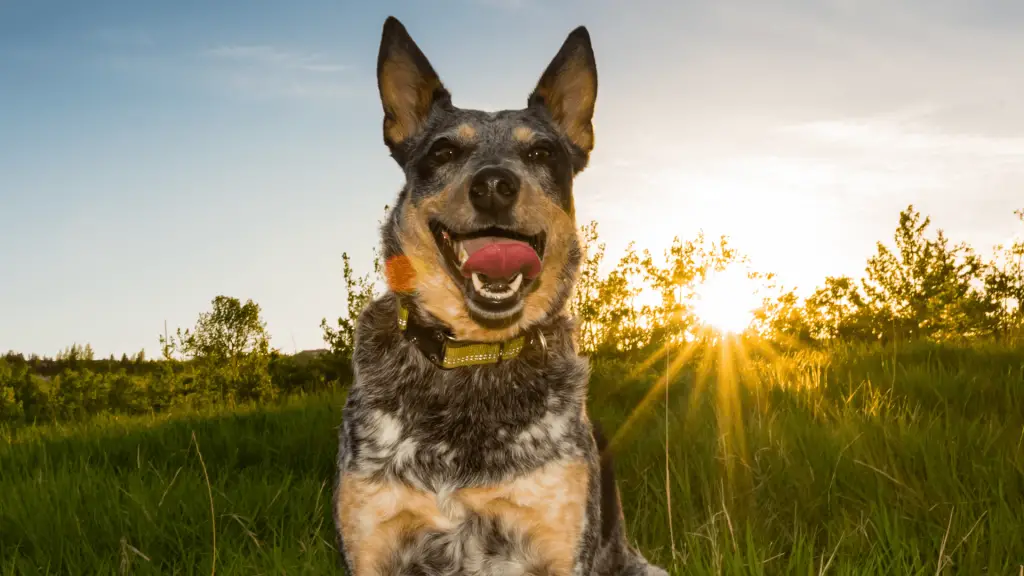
(434, 428)
(462, 446)
(530, 524)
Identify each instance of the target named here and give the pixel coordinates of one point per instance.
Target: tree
(360, 291)
(229, 349)
(687, 265)
(585, 305)
(228, 332)
(74, 354)
(621, 320)
(926, 288)
(37, 397)
(164, 387)
(1004, 283)
(838, 311)
(784, 320)
(124, 393)
(10, 406)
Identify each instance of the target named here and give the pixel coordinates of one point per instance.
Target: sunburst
(726, 300)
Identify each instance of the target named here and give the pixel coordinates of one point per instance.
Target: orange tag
(399, 273)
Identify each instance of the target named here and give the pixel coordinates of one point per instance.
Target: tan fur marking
(373, 515)
(466, 131)
(523, 133)
(570, 94)
(548, 504)
(406, 96)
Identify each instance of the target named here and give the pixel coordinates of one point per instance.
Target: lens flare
(726, 301)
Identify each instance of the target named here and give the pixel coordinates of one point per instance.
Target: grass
(853, 461)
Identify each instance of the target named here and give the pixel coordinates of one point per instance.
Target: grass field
(856, 461)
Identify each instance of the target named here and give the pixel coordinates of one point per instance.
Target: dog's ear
(409, 87)
(568, 89)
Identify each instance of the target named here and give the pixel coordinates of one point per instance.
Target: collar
(443, 350)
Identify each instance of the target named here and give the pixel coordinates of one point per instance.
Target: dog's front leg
(384, 525)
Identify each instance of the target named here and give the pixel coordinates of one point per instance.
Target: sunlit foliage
(919, 286)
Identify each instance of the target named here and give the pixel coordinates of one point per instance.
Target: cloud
(120, 37)
(264, 71)
(883, 135)
(507, 4)
(276, 58)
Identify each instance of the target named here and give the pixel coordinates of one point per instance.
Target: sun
(726, 301)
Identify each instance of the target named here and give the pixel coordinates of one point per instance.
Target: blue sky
(154, 155)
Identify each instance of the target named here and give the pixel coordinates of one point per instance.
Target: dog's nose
(493, 191)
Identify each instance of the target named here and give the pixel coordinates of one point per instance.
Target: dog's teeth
(463, 255)
(509, 292)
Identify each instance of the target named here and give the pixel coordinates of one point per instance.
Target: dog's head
(483, 235)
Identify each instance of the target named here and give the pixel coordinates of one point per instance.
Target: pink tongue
(500, 258)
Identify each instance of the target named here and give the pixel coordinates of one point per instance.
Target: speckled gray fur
(440, 430)
(437, 431)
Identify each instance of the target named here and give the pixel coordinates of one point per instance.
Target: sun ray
(679, 359)
(745, 361)
(645, 364)
(729, 413)
(765, 348)
(704, 369)
(789, 341)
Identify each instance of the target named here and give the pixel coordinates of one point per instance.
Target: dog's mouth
(495, 266)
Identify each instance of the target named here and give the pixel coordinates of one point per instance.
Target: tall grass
(857, 460)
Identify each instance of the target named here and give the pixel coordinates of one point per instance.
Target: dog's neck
(438, 344)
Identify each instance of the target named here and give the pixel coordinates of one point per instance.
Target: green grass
(856, 461)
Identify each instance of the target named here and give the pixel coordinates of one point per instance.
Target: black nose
(493, 191)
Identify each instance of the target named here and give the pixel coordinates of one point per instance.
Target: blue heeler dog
(466, 447)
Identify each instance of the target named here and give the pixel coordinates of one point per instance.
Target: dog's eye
(443, 153)
(538, 153)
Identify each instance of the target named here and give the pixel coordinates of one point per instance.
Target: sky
(155, 155)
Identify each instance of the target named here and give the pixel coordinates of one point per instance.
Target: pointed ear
(409, 87)
(568, 89)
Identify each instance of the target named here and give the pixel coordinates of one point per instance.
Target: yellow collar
(446, 352)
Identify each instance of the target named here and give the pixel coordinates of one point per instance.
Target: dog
(465, 445)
